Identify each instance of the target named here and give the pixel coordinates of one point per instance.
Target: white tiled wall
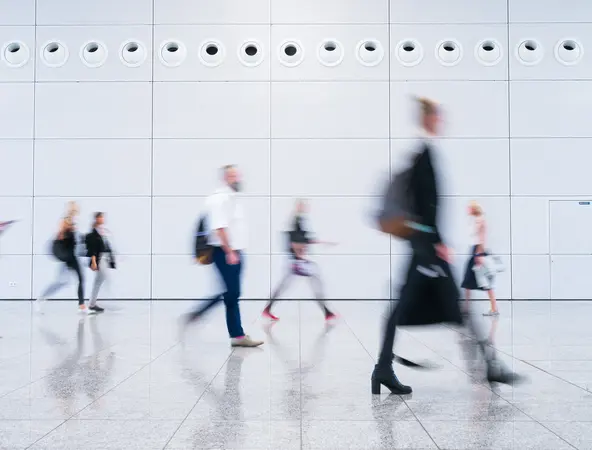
(142, 134)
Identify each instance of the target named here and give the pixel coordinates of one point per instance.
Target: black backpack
(202, 250)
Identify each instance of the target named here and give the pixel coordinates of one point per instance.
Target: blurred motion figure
(299, 239)
(429, 294)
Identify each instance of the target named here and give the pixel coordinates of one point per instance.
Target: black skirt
(430, 294)
(470, 281)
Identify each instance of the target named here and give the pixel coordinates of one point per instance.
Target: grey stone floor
(123, 381)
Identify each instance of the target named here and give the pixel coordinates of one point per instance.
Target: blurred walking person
(300, 239)
(64, 250)
(100, 252)
(429, 295)
(478, 273)
(226, 235)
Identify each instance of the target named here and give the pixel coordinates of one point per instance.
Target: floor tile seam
(99, 397)
(402, 398)
(198, 399)
(31, 382)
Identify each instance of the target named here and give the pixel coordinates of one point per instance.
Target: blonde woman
(477, 261)
(64, 250)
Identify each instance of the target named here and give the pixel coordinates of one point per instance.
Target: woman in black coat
(99, 250)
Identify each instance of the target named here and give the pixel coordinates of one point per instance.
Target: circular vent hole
(449, 47)
(172, 48)
(52, 48)
(14, 47)
(530, 46)
(290, 50)
(409, 47)
(251, 50)
(330, 46)
(370, 46)
(131, 48)
(569, 46)
(91, 48)
(488, 46)
(211, 50)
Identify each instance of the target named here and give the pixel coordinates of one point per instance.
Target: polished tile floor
(123, 381)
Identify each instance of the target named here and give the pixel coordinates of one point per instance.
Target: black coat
(430, 294)
(96, 246)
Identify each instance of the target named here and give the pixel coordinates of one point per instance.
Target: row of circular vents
(330, 52)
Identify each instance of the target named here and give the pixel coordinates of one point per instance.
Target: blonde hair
(475, 208)
(427, 107)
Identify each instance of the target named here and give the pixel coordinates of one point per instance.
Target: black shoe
(96, 309)
(386, 376)
(498, 374)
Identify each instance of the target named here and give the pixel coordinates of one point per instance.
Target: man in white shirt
(226, 223)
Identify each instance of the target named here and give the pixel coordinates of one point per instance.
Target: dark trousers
(231, 276)
(429, 296)
(70, 264)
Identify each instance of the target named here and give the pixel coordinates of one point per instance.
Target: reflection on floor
(122, 381)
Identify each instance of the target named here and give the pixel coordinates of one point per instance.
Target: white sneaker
(245, 341)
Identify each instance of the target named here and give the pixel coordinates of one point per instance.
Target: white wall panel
(330, 110)
(343, 220)
(478, 167)
(192, 166)
(208, 12)
(565, 113)
(344, 277)
(177, 277)
(329, 11)
(430, 37)
(534, 11)
(548, 36)
(23, 69)
(570, 277)
(16, 167)
(17, 12)
(16, 277)
(477, 109)
(16, 110)
(211, 110)
(131, 279)
(112, 37)
(87, 12)
(530, 275)
(230, 37)
(97, 110)
(311, 37)
(128, 219)
(175, 221)
(17, 239)
(535, 164)
(456, 226)
(530, 226)
(569, 227)
(452, 11)
(327, 167)
(90, 167)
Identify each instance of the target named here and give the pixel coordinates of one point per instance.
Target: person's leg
(467, 298)
(75, 266)
(281, 287)
(99, 279)
(492, 301)
(317, 288)
(231, 276)
(60, 282)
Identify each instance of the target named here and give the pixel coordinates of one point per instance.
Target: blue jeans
(231, 276)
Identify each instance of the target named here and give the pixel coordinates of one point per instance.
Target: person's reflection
(74, 374)
(227, 411)
(382, 409)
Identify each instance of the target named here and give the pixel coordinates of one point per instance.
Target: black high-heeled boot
(386, 377)
(496, 373)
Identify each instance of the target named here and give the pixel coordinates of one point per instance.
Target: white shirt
(225, 211)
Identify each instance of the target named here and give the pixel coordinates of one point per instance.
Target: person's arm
(426, 194)
(64, 227)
